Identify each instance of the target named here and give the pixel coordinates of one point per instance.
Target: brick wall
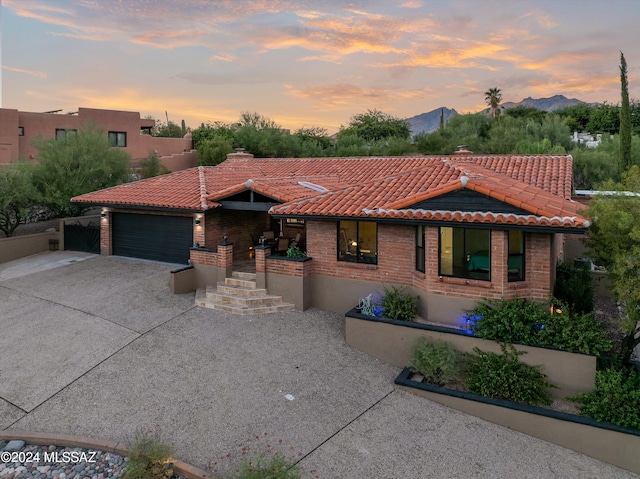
(396, 263)
(105, 235)
(205, 257)
(288, 267)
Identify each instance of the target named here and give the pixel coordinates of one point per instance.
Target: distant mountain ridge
(556, 102)
(430, 121)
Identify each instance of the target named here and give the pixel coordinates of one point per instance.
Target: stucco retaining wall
(392, 342)
(17, 247)
(606, 442)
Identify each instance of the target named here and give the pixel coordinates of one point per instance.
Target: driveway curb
(39, 438)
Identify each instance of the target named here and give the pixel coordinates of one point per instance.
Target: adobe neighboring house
(124, 129)
(453, 229)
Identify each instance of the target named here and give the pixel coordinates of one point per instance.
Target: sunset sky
(310, 63)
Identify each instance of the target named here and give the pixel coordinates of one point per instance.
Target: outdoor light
(103, 215)
(197, 221)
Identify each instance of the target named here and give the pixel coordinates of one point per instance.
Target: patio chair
(296, 241)
(282, 245)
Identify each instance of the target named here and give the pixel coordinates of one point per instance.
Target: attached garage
(155, 237)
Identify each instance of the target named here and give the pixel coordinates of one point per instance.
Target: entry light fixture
(103, 215)
(197, 221)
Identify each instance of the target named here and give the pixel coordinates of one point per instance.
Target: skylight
(313, 186)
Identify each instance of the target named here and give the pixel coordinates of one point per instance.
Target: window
(516, 256)
(358, 242)
(118, 138)
(21, 131)
(420, 257)
(63, 134)
(465, 253)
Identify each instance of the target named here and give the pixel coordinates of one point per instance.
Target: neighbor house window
(62, 134)
(516, 255)
(465, 253)
(420, 257)
(21, 131)
(358, 242)
(118, 138)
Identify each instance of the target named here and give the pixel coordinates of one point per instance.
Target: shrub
(504, 376)
(532, 324)
(574, 332)
(615, 399)
(437, 361)
(508, 321)
(274, 467)
(399, 304)
(148, 458)
(574, 287)
(295, 252)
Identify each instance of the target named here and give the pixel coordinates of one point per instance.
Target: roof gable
(466, 200)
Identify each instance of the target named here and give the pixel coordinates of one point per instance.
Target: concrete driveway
(101, 348)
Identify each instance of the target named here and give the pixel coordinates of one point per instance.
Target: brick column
(225, 258)
(105, 234)
(499, 261)
(262, 252)
(198, 230)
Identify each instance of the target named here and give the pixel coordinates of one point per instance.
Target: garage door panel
(155, 237)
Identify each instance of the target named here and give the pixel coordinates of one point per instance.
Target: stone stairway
(240, 295)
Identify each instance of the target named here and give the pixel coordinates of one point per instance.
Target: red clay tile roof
(368, 187)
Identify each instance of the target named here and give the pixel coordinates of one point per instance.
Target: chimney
(462, 151)
(240, 154)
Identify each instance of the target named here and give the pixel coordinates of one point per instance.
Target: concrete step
(243, 275)
(237, 309)
(238, 290)
(250, 301)
(246, 283)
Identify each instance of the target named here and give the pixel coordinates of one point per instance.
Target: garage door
(155, 237)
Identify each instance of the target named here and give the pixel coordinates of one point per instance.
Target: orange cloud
(34, 73)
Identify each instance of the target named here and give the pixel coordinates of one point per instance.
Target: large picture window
(465, 253)
(62, 134)
(357, 242)
(516, 255)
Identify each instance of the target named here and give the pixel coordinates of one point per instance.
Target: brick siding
(396, 263)
(240, 227)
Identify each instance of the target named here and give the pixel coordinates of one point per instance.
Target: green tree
(152, 166)
(614, 242)
(374, 125)
(167, 130)
(605, 118)
(625, 117)
(18, 196)
(75, 165)
(493, 97)
(526, 112)
(577, 117)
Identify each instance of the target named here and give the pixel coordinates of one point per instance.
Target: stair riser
(242, 275)
(245, 283)
(244, 301)
(226, 289)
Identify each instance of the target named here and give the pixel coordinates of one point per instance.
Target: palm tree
(493, 97)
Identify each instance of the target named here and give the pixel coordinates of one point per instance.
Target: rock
(14, 445)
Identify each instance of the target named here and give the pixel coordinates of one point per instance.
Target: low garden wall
(392, 341)
(290, 278)
(17, 247)
(606, 442)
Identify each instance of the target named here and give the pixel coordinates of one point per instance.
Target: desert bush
(148, 458)
(574, 287)
(436, 361)
(399, 304)
(504, 376)
(538, 324)
(615, 399)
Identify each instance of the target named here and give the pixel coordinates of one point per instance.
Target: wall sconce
(103, 215)
(197, 221)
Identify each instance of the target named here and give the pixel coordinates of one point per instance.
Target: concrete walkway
(101, 348)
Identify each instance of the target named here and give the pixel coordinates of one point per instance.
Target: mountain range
(430, 121)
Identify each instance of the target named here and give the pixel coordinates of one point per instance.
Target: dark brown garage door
(155, 237)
